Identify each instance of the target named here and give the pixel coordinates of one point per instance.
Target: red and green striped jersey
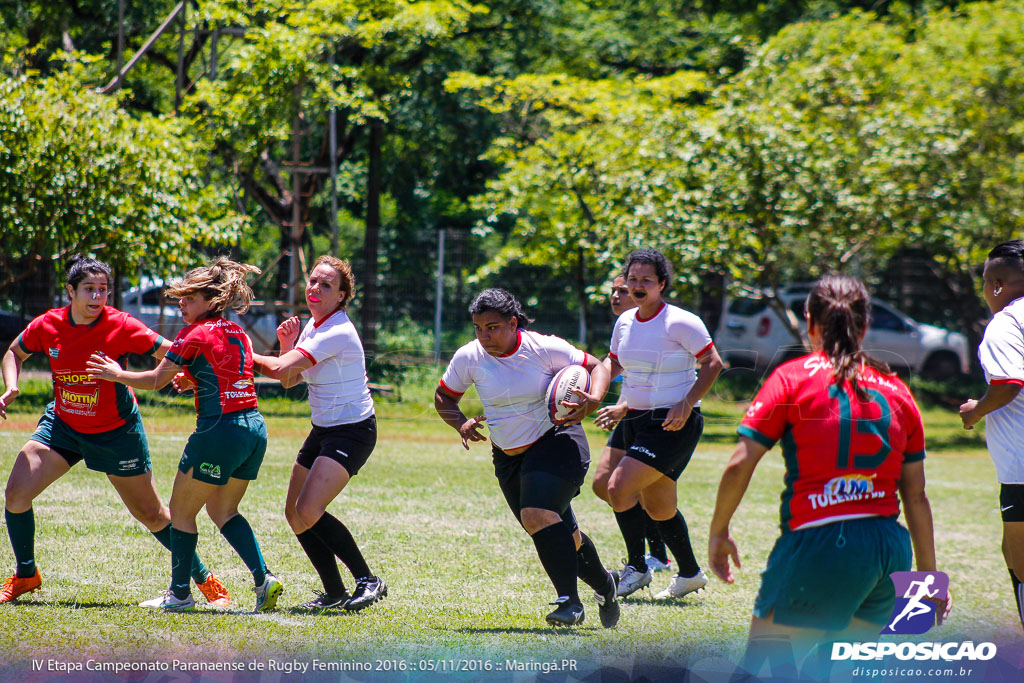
(84, 403)
(217, 355)
(843, 456)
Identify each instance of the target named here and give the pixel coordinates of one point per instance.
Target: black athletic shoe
(324, 601)
(567, 613)
(369, 590)
(608, 603)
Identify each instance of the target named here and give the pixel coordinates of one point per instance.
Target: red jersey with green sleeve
(84, 403)
(843, 456)
(217, 355)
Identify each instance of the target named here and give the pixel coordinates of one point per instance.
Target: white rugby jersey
(658, 355)
(1002, 358)
(337, 381)
(512, 387)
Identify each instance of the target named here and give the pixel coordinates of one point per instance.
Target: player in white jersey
(609, 418)
(539, 466)
(1002, 358)
(659, 347)
(328, 355)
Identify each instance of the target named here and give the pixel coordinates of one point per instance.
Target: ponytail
(840, 308)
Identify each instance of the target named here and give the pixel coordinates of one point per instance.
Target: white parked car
(144, 302)
(752, 333)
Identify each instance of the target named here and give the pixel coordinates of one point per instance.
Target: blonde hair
(348, 281)
(222, 283)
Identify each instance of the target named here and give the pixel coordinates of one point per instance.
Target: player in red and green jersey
(853, 446)
(225, 452)
(90, 420)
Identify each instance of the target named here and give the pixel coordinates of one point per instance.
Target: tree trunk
(372, 239)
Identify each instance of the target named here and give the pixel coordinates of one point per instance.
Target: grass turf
(464, 578)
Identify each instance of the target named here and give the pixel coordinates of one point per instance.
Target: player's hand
(470, 430)
(288, 333)
(942, 607)
(609, 416)
(580, 408)
(721, 548)
(677, 416)
(7, 399)
(183, 383)
(102, 367)
(967, 414)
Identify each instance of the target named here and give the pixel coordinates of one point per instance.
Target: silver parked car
(752, 333)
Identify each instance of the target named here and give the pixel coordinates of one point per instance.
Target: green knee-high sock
(198, 570)
(239, 534)
(183, 546)
(21, 527)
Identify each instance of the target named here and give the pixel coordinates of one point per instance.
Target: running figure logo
(922, 593)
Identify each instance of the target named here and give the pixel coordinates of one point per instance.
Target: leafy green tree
(78, 174)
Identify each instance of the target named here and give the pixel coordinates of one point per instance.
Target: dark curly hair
(651, 257)
(503, 302)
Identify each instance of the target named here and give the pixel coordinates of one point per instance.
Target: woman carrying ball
(89, 420)
(853, 446)
(539, 467)
(226, 450)
(659, 347)
(328, 355)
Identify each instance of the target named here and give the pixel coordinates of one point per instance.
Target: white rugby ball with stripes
(560, 389)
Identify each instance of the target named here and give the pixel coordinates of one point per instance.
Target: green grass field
(464, 579)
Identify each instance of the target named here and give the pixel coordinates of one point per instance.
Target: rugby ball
(560, 389)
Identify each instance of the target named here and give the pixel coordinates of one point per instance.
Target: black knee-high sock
(1018, 594)
(631, 524)
(654, 542)
(677, 538)
(21, 527)
(557, 553)
(322, 559)
(589, 566)
(338, 538)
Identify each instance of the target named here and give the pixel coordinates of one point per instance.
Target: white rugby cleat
(682, 585)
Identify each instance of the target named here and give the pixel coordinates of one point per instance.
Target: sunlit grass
(465, 580)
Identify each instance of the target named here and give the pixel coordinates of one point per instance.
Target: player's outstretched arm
(286, 368)
(102, 367)
(735, 480)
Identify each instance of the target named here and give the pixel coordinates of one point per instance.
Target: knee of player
(600, 487)
(535, 519)
(154, 518)
(618, 494)
(307, 513)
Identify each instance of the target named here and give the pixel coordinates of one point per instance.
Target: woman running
(226, 450)
(539, 467)
(852, 439)
(610, 418)
(89, 420)
(660, 348)
(328, 356)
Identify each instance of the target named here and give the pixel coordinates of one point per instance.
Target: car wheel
(941, 365)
